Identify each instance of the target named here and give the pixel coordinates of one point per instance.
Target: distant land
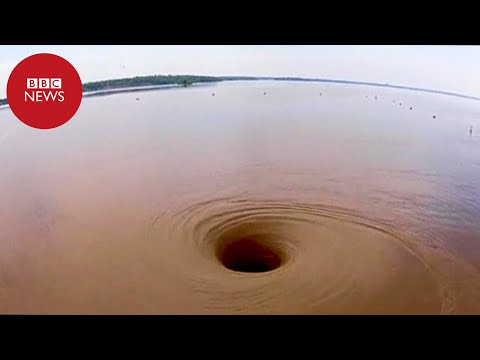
(141, 83)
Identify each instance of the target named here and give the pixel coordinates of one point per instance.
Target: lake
(265, 197)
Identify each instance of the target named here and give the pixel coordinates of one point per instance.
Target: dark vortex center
(249, 255)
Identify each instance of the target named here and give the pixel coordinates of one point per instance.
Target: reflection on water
(365, 206)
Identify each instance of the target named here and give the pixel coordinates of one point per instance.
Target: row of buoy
(376, 98)
(394, 101)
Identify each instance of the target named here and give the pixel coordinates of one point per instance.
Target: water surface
(367, 197)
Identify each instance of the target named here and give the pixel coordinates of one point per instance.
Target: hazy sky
(449, 68)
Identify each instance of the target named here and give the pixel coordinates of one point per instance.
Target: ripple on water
(259, 256)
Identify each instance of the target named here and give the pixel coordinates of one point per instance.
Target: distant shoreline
(157, 82)
(125, 90)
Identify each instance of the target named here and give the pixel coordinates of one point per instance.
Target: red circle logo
(44, 91)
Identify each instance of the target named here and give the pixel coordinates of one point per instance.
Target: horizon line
(221, 78)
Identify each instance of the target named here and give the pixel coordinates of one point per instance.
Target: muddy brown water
(267, 198)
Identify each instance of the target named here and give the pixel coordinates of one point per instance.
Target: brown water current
(267, 198)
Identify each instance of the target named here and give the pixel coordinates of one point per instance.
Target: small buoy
(434, 116)
(375, 98)
(320, 94)
(213, 94)
(400, 104)
(138, 99)
(410, 108)
(264, 93)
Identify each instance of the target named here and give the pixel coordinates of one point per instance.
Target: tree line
(180, 80)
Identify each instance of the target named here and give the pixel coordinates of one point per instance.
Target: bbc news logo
(44, 91)
(36, 90)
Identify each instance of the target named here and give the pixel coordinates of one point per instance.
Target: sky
(447, 68)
